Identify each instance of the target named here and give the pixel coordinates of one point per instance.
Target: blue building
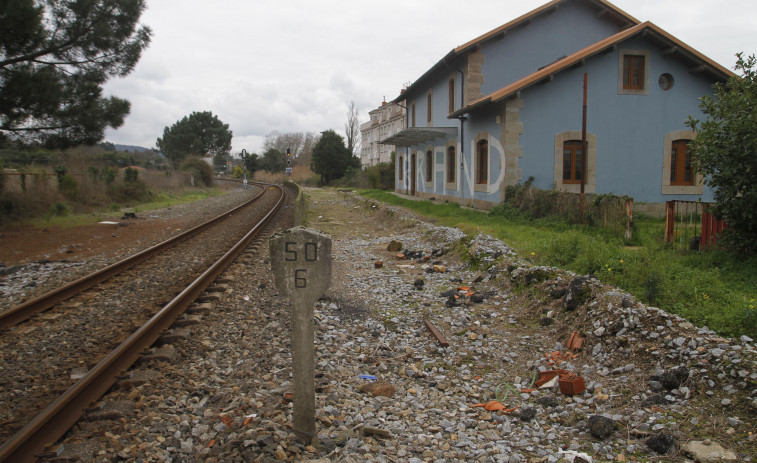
(507, 106)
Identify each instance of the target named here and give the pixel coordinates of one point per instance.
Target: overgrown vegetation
(712, 288)
(725, 152)
(50, 184)
(198, 169)
(379, 177)
(527, 202)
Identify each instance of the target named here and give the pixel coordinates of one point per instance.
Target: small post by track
(301, 267)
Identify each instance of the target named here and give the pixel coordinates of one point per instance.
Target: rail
(45, 301)
(48, 426)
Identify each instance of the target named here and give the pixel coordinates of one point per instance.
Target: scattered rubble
(653, 382)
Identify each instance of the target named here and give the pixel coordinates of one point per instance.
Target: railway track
(94, 336)
(45, 301)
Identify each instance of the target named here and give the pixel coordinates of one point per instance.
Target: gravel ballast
(654, 383)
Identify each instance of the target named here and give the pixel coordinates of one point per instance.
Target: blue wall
(525, 49)
(630, 129)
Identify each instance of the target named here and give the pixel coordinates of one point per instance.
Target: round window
(665, 81)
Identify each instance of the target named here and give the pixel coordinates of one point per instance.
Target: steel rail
(53, 422)
(23, 312)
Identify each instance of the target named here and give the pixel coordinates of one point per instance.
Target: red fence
(690, 225)
(710, 228)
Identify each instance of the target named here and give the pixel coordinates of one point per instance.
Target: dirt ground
(21, 244)
(26, 243)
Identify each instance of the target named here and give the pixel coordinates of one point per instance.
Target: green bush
(57, 210)
(68, 186)
(8, 209)
(108, 174)
(130, 175)
(381, 176)
(606, 211)
(130, 190)
(201, 170)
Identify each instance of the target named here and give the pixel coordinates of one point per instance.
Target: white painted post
(301, 267)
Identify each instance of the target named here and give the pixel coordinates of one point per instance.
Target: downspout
(584, 154)
(461, 118)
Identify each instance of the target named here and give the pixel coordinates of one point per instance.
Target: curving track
(103, 331)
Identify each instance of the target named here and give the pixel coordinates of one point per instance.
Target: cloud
(295, 66)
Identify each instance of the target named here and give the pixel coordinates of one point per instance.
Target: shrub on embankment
(41, 183)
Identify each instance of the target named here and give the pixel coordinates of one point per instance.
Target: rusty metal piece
(437, 334)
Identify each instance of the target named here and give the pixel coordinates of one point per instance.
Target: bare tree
(352, 129)
(300, 144)
(305, 156)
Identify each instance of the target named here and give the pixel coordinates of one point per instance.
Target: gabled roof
(646, 29)
(604, 7)
(623, 19)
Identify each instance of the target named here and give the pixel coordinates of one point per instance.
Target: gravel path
(657, 388)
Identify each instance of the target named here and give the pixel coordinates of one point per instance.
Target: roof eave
(528, 17)
(588, 52)
(442, 63)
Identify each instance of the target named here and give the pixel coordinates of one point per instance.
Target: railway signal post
(301, 267)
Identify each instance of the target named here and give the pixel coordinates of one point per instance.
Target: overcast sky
(295, 65)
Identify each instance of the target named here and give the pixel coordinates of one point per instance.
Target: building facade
(384, 121)
(507, 106)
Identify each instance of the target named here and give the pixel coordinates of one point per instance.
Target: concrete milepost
(301, 267)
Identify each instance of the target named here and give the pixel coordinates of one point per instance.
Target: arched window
(451, 162)
(572, 163)
(482, 162)
(429, 166)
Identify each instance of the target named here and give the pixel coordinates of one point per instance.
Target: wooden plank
(437, 334)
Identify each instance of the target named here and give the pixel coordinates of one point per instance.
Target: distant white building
(385, 121)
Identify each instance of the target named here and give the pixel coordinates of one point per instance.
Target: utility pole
(244, 162)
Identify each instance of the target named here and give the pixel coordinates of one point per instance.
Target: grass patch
(711, 288)
(161, 200)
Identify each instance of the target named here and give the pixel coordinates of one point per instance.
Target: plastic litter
(495, 405)
(571, 455)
